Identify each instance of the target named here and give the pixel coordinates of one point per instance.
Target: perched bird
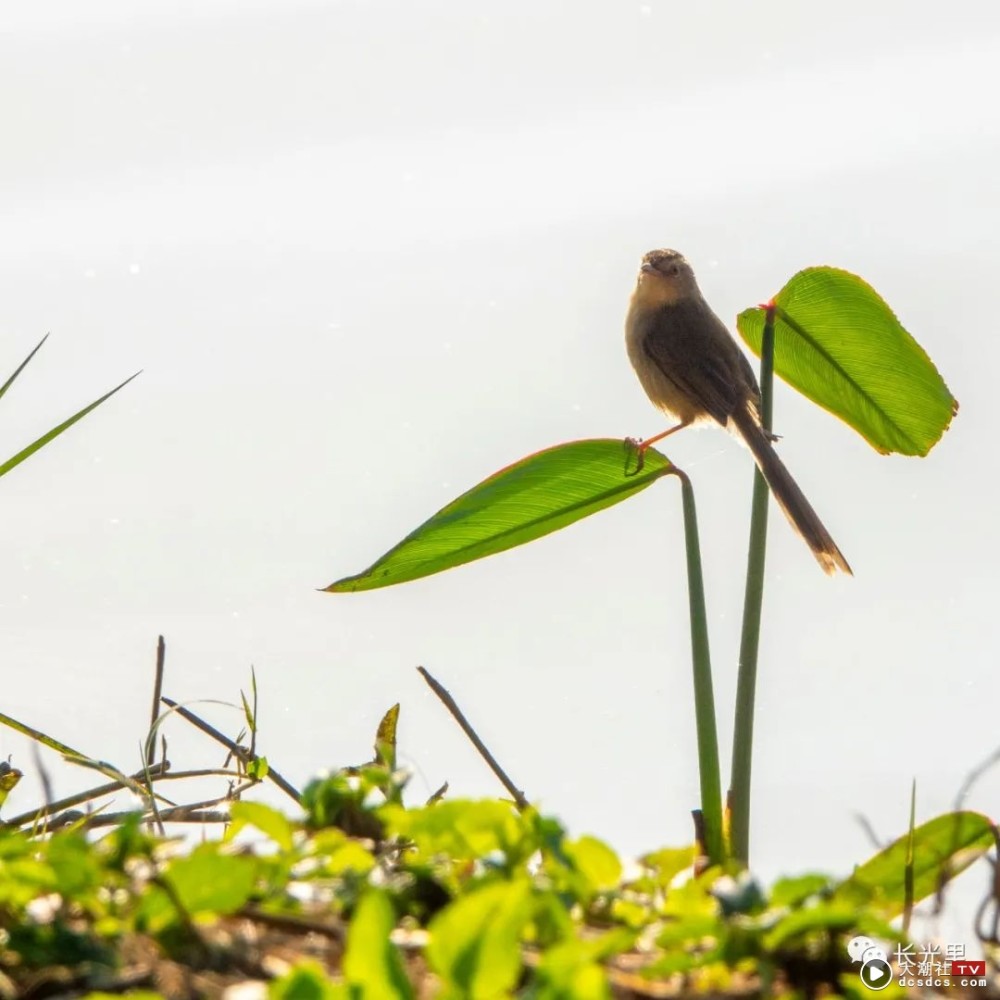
(692, 368)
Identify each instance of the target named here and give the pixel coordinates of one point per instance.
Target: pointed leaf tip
(41, 442)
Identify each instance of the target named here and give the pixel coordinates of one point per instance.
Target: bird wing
(701, 366)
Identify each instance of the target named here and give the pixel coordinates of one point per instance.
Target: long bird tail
(790, 498)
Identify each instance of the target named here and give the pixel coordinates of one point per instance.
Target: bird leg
(641, 445)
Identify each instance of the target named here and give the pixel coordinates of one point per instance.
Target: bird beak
(647, 268)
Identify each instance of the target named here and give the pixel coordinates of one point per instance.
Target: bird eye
(675, 269)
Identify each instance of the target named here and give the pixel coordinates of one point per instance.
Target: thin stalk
(446, 699)
(908, 874)
(746, 682)
(704, 698)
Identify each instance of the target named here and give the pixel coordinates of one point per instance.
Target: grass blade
(20, 368)
(56, 431)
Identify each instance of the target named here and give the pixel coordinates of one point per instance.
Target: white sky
(369, 252)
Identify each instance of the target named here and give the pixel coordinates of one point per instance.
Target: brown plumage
(692, 368)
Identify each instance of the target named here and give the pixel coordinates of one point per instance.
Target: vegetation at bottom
(355, 894)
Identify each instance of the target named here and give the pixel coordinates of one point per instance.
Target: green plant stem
(746, 682)
(704, 699)
(908, 873)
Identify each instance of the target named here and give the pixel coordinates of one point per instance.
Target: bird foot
(634, 446)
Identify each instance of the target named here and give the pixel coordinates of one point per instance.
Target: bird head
(665, 278)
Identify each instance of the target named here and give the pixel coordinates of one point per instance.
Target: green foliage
(593, 867)
(840, 345)
(496, 901)
(306, 981)
(796, 890)
(385, 739)
(269, 821)
(257, 768)
(466, 831)
(208, 880)
(372, 966)
(9, 778)
(533, 497)
(573, 968)
(333, 855)
(475, 943)
(345, 798)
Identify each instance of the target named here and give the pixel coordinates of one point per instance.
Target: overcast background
(367, 253)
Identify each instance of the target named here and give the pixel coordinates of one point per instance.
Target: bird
(692, 369)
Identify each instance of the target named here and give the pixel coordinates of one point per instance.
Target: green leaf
(840, 345)
(464, 830)
(74, 756)
(572, 968)
(820, 921)
(533, 497)
(269, 821)
(385, 738)
(372, 965)
(795, 890)
(257, 768)
(333, 854)
(669, 862)
(475, 941)
(75, 863)
(305, 981)
(23, 875)
(20, 368)
(9, 777)
(349, 857)
(595, 862)
(831, 917)
(582, 981)
(345, 800)
(209, 882)
(248, 713)
(56, 431)
(942, 847)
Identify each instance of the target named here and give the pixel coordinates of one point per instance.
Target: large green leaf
(839, 344)
(942, 847)
(209, 881)
(539, 494)
(474, 942)
(372, 964)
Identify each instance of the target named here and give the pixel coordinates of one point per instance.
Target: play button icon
(876, 974)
